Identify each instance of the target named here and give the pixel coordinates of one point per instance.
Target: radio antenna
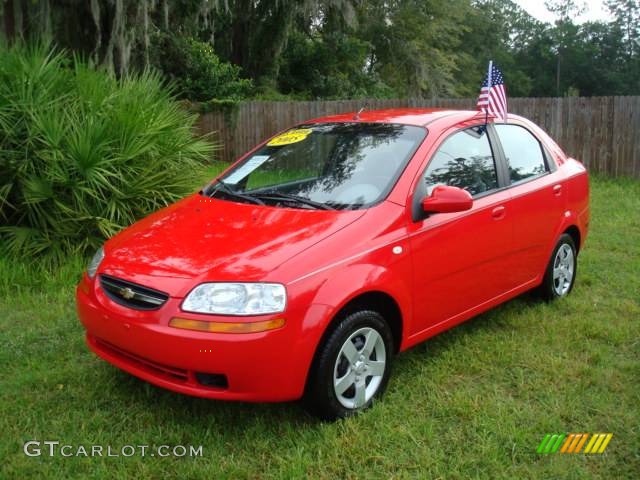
(357, 115)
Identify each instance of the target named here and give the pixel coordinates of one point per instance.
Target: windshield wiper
(293, 198)
(221, 186)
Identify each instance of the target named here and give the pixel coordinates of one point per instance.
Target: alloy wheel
(563, 270)
(359, 368)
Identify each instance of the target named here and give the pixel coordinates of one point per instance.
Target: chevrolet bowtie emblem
(127, 293)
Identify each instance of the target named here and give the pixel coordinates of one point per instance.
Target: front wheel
(351, 368)
(561, 271)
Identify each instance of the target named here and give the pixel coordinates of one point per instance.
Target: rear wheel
(561, 270)
(351, 368)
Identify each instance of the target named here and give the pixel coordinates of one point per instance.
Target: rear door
(537, 203)
(461, 260)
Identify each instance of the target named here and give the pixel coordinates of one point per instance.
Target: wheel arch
(364, 285)
(377, 300)
(574, 232)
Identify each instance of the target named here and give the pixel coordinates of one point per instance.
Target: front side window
(523, 152)
(464, 160)
(331, 165)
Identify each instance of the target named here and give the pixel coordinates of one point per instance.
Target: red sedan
(309, 263)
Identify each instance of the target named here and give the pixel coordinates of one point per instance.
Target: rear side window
(464, 160)
(523, 152)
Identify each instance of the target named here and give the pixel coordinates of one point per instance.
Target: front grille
(131, 294)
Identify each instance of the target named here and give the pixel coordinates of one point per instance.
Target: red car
(310, 262)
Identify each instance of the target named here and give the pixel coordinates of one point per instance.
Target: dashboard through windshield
(323, 166)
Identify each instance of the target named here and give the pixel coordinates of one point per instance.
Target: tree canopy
(343, 48)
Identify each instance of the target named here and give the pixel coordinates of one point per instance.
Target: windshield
(330, 165)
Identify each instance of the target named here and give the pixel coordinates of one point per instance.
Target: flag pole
(489, 82)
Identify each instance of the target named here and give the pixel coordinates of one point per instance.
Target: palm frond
(83, 154)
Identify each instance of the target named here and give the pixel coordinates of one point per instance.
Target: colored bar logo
(573, 443)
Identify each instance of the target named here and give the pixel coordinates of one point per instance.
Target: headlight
(236, 298)
(95, 262)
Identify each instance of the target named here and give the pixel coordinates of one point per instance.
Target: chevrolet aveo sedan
(309, 263)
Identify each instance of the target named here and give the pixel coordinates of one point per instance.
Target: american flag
(493, 94)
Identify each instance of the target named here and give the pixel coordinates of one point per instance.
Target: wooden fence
(602, 132)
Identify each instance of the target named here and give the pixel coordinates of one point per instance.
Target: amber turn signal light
(226, 327)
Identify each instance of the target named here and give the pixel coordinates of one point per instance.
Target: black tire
(320, 397)
(549, 289)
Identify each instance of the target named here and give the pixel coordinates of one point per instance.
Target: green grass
(474, 402)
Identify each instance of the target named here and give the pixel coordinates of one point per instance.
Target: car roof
(407, 116)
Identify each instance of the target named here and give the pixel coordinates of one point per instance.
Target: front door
(461, 260)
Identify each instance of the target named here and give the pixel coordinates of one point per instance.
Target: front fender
(336, 289)
(343, 285)
(358, 279)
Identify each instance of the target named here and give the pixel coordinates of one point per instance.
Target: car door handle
(498, 212)
(557, 190)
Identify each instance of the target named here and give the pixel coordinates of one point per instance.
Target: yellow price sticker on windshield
(287, 138)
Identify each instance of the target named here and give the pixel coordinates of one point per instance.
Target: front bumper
(262, 367)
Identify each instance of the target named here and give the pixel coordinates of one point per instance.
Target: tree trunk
(242, 18)
(9, 20)
(558, 76)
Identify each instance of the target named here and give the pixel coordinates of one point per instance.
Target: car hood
(216, 240)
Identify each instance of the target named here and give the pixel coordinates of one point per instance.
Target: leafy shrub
(198, 73)
(83, 154)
